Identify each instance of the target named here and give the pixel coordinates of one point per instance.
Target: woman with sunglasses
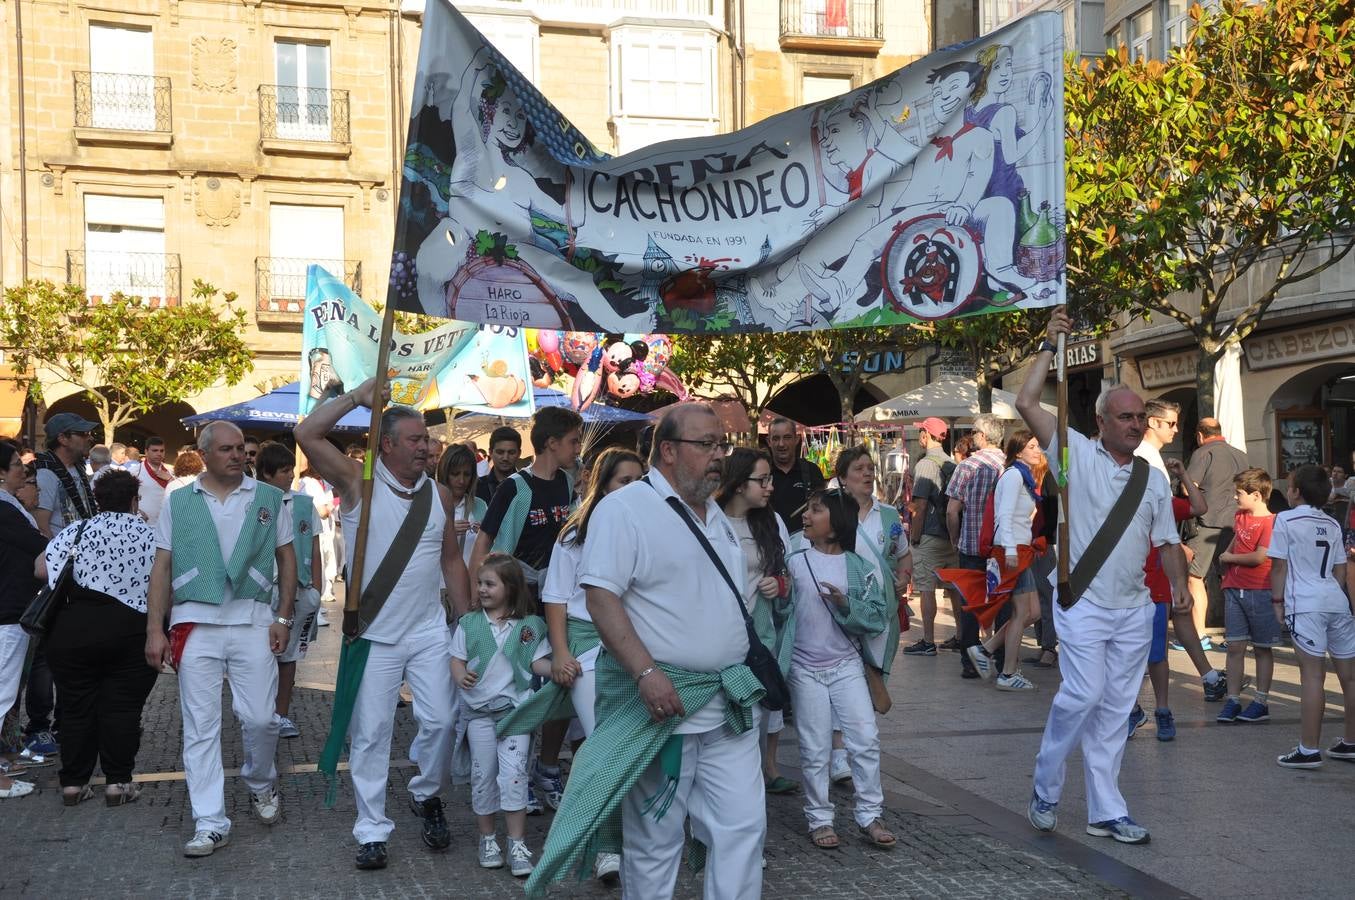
(745, 495)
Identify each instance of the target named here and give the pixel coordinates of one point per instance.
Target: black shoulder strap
(676, 504)
(1108, 535)
(399, 554)
(81, 502)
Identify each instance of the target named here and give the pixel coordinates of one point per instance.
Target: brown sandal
(878, 834)
(120, 794)
(73, 796)
(824, 837)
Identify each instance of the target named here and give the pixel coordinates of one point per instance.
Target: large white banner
(936, 191)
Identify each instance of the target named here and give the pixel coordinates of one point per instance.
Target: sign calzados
(478, 368)
(936, 191)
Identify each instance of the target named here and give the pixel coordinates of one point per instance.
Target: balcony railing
(153, 277)
(281, 283)
(120, 102)
(288, 113)
(828, 20)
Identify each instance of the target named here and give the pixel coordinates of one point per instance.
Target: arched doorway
(163, 421)
(1311, 417)
(814, 401)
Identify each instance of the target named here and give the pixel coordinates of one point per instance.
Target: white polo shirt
(680, 606)
(1095, 481)
(229, 519)
(1154, 457)
(561, 586)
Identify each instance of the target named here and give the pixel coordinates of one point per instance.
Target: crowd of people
(666, 613)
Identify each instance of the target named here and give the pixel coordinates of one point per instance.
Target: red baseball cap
(933, 426)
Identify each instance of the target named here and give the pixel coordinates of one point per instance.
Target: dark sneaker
(1230, 711)
(1215, 692)
(533, 804)
(921, 648)
(1166, 725)
(1297, 759)
(372, 855)
(1256, 711)
(436, 835)
(549, 785)
(1124, 829)
(1136, 718)
(1342, 750)
(44, 742)
(950, 643)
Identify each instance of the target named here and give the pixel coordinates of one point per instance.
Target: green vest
(199, 573)
(303, 535)
(515, 517)
(518, 648)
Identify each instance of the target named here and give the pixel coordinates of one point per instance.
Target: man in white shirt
(154, 476)
(234, 538)
(406, 634)
(656, 597)
(1107, 631)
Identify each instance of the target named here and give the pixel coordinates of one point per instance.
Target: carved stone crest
(217, 202)
(214, 64)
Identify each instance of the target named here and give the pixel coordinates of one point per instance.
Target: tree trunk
(983, 380)
(1204, 385)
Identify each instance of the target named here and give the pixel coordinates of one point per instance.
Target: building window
(516, 37)
(1177, 22)
(303, 94)
(298, 237)
(663, 85)
(1142, 46)
(125, 250)
(818, 88)
(122, 83)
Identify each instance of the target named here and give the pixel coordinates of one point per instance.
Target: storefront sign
(1271, 351)
(1164, 371)
(1081, 356)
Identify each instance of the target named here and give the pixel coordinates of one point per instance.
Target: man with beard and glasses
(674, 696)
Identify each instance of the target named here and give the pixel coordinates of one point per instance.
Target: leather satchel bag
(759, 660)
(42, 609)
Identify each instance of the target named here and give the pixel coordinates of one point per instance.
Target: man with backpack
(968, 492)
(930, 538)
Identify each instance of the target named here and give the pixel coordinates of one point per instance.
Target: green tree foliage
(126, 357)
(749, 367)
(1228, 169)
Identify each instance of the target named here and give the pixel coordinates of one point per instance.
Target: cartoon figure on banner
(324, 380)
(495, 267)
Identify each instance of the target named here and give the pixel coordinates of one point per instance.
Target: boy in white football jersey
(1308, 576)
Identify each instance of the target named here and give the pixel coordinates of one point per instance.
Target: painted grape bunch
(404, 279)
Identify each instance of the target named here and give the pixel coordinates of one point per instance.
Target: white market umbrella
(1228, 407)
(951, 399)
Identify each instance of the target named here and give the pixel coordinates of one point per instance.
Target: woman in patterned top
(97, 642)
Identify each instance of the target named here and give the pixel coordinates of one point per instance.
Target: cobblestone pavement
(950, 845)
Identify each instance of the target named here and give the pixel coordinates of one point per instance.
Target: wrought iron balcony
(115, 101)
(288, 113)
(853, 25)
(154, 278)
(281, 284)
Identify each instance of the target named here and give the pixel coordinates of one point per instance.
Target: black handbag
(42, 609)
(760, 660)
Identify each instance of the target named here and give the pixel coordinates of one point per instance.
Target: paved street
(957, 775)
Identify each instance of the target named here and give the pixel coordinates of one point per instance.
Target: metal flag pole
(1062, 438)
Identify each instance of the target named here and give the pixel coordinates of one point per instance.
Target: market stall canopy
(276, 411)
(944, 399)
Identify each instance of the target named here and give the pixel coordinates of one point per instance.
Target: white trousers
(424, 660)
(1102, 653)
(498, 767)
(583, 695)
(721, 791)
(13, 649)
(238, 654)
(823, 698)
(329, 565)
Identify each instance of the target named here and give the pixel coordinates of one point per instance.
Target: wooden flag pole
(353, 585)
(1062, 438)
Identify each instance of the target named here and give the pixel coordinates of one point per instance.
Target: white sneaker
(18, 789)
(267, 806)
(287, 728)
(1014, 682)
(205, 843)
(839, 769)
(491, 857)
(519, 858)
(320, 620)
(981, 660)
(607, 868)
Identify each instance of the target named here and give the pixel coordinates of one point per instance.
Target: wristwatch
(281, 621)
(1045, 346)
